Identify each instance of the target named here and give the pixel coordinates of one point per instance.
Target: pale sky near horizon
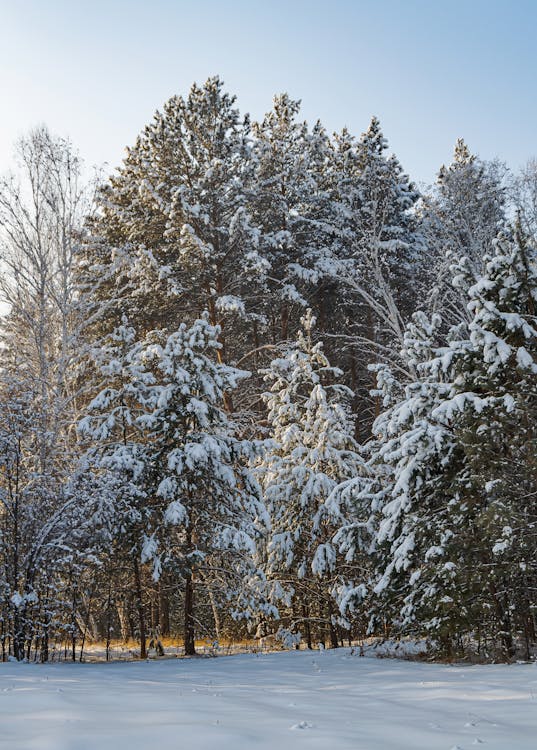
(432, 70)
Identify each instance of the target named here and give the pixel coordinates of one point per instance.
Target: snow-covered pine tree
(460, 219)
(454, 553)
(118, 455)
(410, 455)
(522, 192)
(311, 450)
(210, 512)
(291, 204)
(387, 233)
(377, 255)
(174, 221)
(354, 505)
(381, 228)
(492, 406)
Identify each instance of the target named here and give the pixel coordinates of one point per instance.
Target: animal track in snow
(302, 725)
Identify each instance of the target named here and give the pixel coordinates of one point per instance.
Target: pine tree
(175, 223)
(460, 219)
(210, 512)
(310, 452)
(384, 235)
(459, 448)
(379, 251)
(291, 205)
(492, 402)
(118, 454)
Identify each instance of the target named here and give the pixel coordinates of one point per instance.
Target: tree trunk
(284, 322)
(216, 614)
(44, 646)
(189, 642)
(307, 626)
(123, 617)
(334, 643)
(19, 634)
(164, 607)
(140, 608)
(504, 621)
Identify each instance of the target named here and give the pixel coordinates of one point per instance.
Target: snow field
(317, 700)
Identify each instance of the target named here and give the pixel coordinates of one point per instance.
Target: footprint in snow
(302, 725)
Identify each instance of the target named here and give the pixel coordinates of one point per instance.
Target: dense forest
(257, 383)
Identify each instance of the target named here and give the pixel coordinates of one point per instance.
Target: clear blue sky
(432, 70)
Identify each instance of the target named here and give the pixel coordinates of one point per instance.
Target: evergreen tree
(310, 452)
(460, 220)
(118, 454)
(291, 204)
(379, 252)
(449, 558)
(381, 228)
(210, 512)
(175, 224)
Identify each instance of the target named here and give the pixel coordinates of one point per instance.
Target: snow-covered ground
(299, 699)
